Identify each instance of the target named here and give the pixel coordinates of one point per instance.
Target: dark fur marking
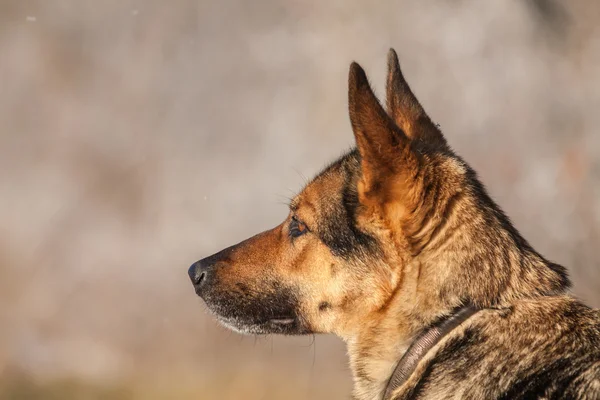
(338, 229)
(470, 337)
(256, 308)
(539, 383)
(449, 209)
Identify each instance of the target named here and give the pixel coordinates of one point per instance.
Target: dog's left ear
(405, 109)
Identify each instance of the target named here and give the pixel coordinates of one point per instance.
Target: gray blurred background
(139, 136)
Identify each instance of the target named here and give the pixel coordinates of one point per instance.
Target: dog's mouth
(279, 325)
(285, 325)
(268, 312)
(283, 321)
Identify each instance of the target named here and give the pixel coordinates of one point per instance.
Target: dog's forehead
(319, 193)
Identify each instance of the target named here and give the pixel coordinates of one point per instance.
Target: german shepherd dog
(397, 248)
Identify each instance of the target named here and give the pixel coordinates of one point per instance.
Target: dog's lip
(282, 320)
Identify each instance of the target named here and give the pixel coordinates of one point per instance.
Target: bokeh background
(139, 136)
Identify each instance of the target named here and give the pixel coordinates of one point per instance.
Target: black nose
(198, 273)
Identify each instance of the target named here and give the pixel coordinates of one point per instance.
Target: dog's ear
(405, 109)
(387, 159)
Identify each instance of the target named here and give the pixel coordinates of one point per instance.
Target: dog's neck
(372, 365)
(375, 348)
(382, 363)
(381, 340)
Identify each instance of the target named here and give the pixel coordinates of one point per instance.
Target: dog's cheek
(319, 304)
(314, 321)
(317, 319)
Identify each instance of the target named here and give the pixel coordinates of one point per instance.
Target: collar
(422, 344)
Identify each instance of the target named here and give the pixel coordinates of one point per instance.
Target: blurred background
(139, 136)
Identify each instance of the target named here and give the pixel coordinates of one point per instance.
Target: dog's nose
(198, 273)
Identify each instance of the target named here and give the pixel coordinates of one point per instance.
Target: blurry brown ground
(139, 136)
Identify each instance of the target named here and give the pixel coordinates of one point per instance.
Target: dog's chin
(274, 326)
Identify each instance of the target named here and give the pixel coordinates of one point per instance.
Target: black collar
(421, 345)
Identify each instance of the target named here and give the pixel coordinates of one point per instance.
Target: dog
(397, 248)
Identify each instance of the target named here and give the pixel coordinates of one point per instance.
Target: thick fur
(389, 239)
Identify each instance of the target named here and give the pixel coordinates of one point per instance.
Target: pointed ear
(385, 150)
(405, 109)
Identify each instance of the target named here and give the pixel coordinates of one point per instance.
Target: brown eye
(297, 228)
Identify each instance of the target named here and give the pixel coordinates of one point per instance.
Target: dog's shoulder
(536, 348)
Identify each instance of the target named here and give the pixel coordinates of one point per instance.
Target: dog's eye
(297, 228)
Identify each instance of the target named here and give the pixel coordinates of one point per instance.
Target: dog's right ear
(388, 162)
(405, 109)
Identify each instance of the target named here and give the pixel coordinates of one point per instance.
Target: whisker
(301, 175)
(314, 346)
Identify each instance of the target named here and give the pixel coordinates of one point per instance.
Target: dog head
(401, 216)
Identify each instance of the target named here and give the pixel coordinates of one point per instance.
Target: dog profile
(397, 248)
